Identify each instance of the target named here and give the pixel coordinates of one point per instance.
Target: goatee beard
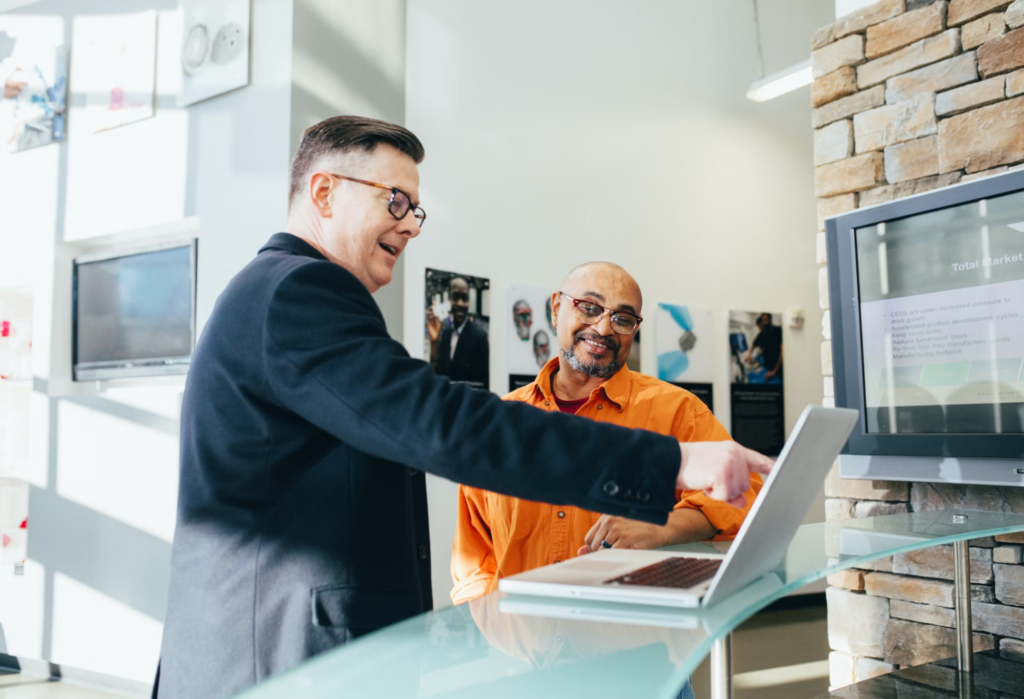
(591, 367)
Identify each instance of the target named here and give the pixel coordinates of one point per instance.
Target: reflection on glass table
(536, 647)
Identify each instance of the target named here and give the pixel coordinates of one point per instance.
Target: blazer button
(611, 488)
(644, 496)
(423, 552)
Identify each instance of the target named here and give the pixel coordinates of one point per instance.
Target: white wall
(558, 133)
(104, 468)
(845, 7)
(349, 58)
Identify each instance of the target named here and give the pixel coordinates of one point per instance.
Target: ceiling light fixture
(770, 87)
(780, 83)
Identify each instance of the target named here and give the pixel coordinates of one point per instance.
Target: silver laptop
(691, 579)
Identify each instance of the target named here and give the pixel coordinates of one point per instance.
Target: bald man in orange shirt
(597, 313)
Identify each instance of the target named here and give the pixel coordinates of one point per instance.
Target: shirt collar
(616, 389)
(292, 243)
(458, 330)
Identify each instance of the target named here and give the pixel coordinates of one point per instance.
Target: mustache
(608, 340)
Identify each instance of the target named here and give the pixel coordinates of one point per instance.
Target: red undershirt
(570, 406)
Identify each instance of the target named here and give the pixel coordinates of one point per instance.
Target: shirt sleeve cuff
(471, 588)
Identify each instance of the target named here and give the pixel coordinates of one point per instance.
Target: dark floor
(994, 677)
(777, 655)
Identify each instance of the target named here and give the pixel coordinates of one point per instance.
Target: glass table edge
(280, 684)
(703, 649)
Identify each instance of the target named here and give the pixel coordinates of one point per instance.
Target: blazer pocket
(361, 608)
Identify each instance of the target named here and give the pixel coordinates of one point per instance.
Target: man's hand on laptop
(721, 469)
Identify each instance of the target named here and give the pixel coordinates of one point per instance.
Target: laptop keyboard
(679, 573)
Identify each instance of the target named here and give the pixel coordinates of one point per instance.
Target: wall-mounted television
(927, 305)
(134, 313)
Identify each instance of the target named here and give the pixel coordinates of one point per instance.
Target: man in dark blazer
(306, 431)
(470, 360)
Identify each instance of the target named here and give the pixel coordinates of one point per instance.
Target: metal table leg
(721, 668)
(962, 592)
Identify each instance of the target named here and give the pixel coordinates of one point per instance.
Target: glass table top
(506, 645)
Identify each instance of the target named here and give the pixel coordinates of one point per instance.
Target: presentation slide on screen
(942, 319)
(951, 347)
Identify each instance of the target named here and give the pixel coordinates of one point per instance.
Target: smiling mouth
(390, 249)
(596, 346)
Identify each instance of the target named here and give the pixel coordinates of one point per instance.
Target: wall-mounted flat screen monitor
(927, 303)
(134, 314)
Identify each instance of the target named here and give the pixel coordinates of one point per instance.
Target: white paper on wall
(114, 66)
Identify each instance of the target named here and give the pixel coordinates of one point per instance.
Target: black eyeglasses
(400, 203)
(622, 322)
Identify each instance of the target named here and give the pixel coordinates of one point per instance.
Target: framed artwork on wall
(33, 76)
(214, 48)
(456, 326)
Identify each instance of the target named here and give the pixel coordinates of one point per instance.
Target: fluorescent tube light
(782, 82)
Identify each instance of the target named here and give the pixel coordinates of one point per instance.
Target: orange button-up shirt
(497, 536)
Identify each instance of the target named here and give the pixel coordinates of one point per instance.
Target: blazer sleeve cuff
(647, 494)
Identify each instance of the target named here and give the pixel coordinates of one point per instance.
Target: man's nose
(604, 324)
(409, 225)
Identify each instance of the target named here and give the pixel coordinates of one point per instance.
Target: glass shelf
(515, 646)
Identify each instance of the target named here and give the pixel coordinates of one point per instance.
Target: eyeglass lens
(590, 313)
(400, 206)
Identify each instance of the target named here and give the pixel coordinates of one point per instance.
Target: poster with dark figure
(756, 360)
(456, 326)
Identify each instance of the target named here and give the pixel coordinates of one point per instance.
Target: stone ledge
(836, 487)
(1001, 55)
(890, 192)
(849, 579)
(999, 619)
(905, 29)
(937, 562)
(838, 83)
(846, 52)
(961, 11)
(910, 643)
(856, 622)
(833, 206)
(862, 19)
(846, 107)
(976, 33)
(922, 613)
(940, 76)
(915, 56)
(909, 589)
(1009, 584)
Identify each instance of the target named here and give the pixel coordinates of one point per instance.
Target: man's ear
(556, 302)
(320, 188)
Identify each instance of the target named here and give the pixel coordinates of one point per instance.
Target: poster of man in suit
(456, 328)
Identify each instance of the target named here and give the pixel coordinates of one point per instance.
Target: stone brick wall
(909, 96)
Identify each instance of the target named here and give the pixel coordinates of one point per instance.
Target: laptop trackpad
(591, 566)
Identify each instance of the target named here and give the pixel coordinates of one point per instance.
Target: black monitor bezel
(139, 368)
(847, 364)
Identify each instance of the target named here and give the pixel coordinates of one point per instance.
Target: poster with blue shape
(683, 348)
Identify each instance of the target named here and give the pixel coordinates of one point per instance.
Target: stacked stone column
(909, 96)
